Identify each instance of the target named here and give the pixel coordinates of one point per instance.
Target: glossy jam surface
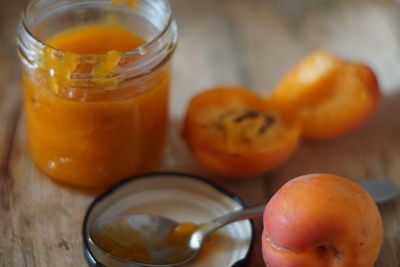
(96, 39)
(180, 236)
(96, 131)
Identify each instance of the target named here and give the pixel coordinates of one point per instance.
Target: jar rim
(153, 54)
(137, 50)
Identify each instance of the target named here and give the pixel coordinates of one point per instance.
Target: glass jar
(95, 118)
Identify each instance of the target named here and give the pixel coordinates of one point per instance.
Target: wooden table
(249, 42)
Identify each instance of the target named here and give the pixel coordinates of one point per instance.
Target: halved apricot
(234, 133)
(328, 95)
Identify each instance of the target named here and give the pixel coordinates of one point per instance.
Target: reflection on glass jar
(96, 79)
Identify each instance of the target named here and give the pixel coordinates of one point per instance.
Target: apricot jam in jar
(96, 80)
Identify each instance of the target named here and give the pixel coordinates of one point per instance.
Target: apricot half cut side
(234, 133)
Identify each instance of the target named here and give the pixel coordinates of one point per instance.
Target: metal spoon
(381, 190)
(151, 231)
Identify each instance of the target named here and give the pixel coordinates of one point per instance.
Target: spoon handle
(244, 214)
(207, 228)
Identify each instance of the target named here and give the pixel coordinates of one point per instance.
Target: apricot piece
(234, 133)
(329, 96)
(321, 220)
(308, 82)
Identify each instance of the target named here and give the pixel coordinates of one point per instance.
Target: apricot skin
(321, 220)
(350, 114)
(237, 167)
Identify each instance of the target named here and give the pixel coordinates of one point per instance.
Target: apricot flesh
(321, 220)
(328, 95)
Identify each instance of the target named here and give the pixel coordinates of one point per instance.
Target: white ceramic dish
(184, 198)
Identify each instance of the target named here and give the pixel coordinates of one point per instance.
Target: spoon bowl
(141, 239)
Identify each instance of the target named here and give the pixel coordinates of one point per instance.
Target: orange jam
(181, 234)
(96, 130)
(127, 3)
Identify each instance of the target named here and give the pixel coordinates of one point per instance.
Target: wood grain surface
(249, 42)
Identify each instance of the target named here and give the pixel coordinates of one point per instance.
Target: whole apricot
(321, 220)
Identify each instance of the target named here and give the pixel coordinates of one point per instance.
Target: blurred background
(248, 42)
